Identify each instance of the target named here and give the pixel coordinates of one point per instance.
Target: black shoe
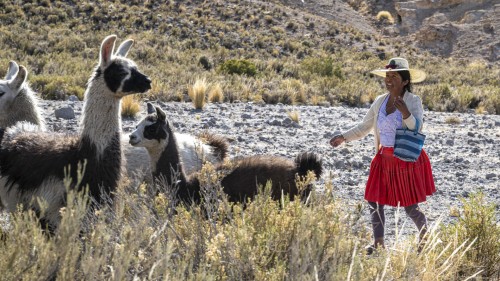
(370, 250)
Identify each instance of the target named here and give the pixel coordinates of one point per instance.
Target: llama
(17, 101)
(20, 104)
(193, 151)
(19, 108)
(33, 164)
(240, 183)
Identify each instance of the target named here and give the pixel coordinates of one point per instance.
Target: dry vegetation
(251, 50)
(385, 16)
(145, 237)
(130, 106)
(261, 53)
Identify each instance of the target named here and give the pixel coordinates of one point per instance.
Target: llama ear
(161, 114)
(124, 48)
(12, 71)
(107, 46)
(19, 79)
(151, 108)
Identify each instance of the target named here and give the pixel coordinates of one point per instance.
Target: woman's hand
(337, 140)
(401, 106)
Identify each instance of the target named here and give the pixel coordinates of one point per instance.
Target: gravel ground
(465, 156)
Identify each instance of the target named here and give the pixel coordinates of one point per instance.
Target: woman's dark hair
(405, 75)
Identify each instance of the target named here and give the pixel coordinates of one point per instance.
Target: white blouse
(387, 125)
(369, 123)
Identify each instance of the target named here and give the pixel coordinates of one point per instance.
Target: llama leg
(420, 221)
(378, 223)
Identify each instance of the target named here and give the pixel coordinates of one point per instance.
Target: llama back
(24, 157)
(250, 172)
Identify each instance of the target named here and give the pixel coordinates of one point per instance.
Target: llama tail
(308, 161)
(218, 143)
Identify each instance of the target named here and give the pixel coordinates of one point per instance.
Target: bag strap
(416, 126)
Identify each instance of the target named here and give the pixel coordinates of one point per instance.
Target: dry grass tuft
(385, 16)
(130, 106)
(294, 115)
(453, 120)
(197, 93)
(216, 93)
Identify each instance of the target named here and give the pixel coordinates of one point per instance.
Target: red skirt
(395, 182)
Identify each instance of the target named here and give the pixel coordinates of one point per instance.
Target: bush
(319, 66)
(240, 67)
(54, 87)
(478, 222)
(385, 16)
(205, 62)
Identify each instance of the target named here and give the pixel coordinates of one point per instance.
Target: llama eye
(1, 94)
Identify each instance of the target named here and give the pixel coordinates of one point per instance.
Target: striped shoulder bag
(408, 144)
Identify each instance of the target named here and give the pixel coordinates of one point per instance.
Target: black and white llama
(18, 102)
(33, 164)
(243, 179)
(194, 151)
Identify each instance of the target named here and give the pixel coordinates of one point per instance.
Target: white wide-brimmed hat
(399, 64)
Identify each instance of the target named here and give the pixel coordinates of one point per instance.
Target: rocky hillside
(448, 28)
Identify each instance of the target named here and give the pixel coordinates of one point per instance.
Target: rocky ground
(464, 148)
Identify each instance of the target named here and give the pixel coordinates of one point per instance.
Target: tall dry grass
(130, 106)
(216, 94)
(198, 93)
(145, 235)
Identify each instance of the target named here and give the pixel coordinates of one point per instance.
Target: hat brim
(417, 75)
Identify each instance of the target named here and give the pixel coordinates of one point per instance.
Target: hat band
(393, 66)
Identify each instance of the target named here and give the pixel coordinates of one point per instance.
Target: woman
(392, 181)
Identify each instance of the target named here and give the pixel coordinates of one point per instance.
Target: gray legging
(378, 218)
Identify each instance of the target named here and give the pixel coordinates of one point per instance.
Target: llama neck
(169, 166)
(166, 163)
(23, 108)
(101, 116)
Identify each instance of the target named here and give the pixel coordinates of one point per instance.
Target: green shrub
(56, 86)
(318, 66)
(240, 67)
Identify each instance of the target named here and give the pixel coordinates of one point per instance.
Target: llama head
(12, 85)
(120, 74)
(153, 131)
